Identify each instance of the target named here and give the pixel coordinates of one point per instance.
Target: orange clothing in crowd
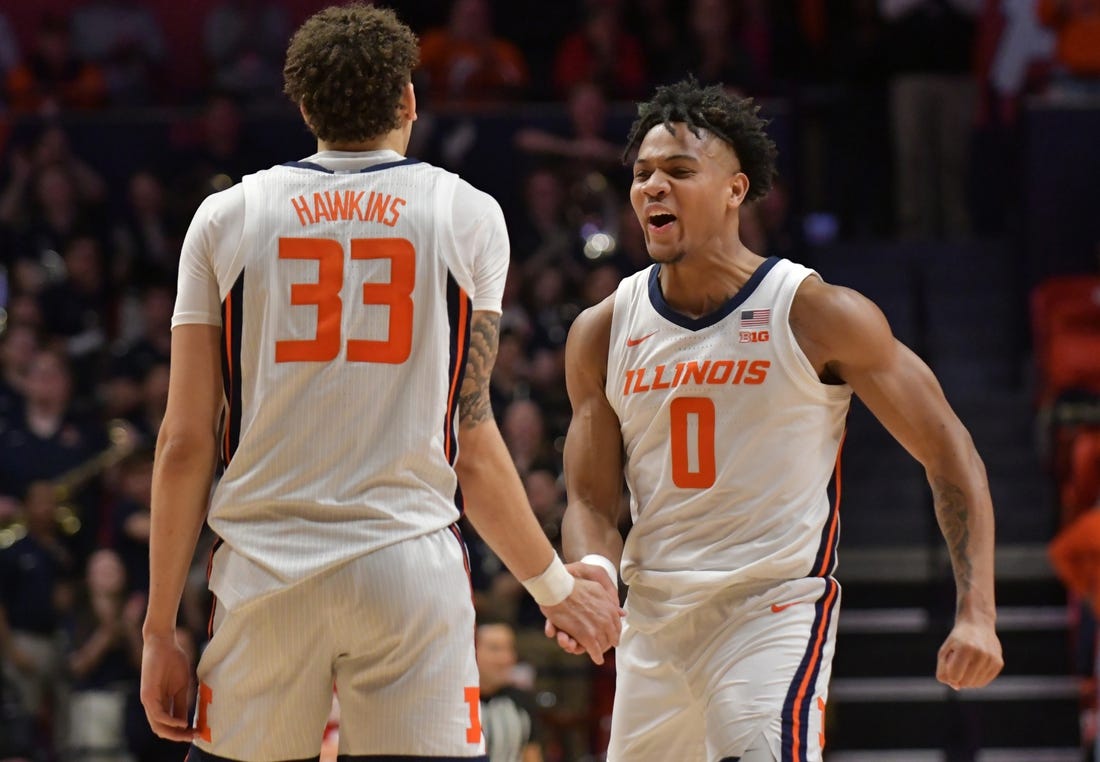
(1075, 555)
(1077, 25)
(30, 89)
(458, 70)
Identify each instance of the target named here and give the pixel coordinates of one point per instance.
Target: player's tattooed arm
(954, 518)
(473, 399)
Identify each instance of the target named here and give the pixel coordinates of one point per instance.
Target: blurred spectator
(546, 493)
(130, 534)
(541, 236)
(104, 660)
(34, 576)
(659, 26)
(466, 63)
(125, 39)
(211, 153)
(22, 200)
(17, 347)
(524, 429)
(148, 235)
(930, 44)
(17, 743)
(50, 440)
(509, 379)
(1014, 58)
(244, 42)
(78, 310)
(9, 47)
(53, 79)
(586, 147)
(713, 53)
(23, 310)
(601, 51)
(1014, 50)
(147, 418)
(1076, 25)
(600, 283)
(509, 717)
(147, 346)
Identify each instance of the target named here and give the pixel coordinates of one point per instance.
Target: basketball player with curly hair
(335, 328)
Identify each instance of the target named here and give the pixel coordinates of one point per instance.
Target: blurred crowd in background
(895, 119)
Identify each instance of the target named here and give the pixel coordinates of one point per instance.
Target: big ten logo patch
(752, 337)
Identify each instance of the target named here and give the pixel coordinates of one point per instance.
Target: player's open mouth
(663, 221)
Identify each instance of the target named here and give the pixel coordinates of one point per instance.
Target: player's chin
(664, 254)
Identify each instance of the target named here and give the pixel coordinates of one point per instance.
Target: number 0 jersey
(730, 439)
(344, 285)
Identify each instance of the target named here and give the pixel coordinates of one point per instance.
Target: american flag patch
(751, 318)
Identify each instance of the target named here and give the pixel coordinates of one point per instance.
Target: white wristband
(604, 563)
(553, 586)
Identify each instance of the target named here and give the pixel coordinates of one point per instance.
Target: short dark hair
(736, 121)
(348, 65)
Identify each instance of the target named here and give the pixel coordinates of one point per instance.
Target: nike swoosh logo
(639, 340)
(776, 607)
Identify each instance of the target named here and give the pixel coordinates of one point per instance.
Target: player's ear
(739, 188)
(408, 101)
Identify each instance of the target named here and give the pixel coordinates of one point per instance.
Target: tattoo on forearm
(473, 399)
(954, 518)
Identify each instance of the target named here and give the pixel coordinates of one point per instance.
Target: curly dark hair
(348, 65)
(735, 120)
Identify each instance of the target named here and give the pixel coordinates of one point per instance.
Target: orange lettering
(659, 371)
(202, 724)
(397, 295)
(472, 696)
(302, 208)
(336, 202)
(629, 380)
(324, 294)
(758, 371)
(364, 212)
(378, 207)
(320, 207)
(740, 371)
(679, 374)
(351, 201)
(693, 462)
(638, 381)
(697, 374)
(394, 212)
(720, 372)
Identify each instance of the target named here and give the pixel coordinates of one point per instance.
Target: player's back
(345, 311)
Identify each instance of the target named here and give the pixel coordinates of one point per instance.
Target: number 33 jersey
(730, 440)
(344, 285)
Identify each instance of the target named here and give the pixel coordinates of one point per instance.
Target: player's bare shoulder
(833, 323)
(589, 338)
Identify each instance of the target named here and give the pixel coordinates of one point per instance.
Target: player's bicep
(906, 397)
(474, 406)
(195, 395)
(593, 457)
(852, 336)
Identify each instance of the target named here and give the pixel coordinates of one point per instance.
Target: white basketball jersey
(730, 439)
(345, 309)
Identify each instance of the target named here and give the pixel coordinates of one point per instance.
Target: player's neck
(395, 140)
(697, 286)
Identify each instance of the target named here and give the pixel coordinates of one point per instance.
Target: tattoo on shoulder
(473, 400)
(954, 515)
